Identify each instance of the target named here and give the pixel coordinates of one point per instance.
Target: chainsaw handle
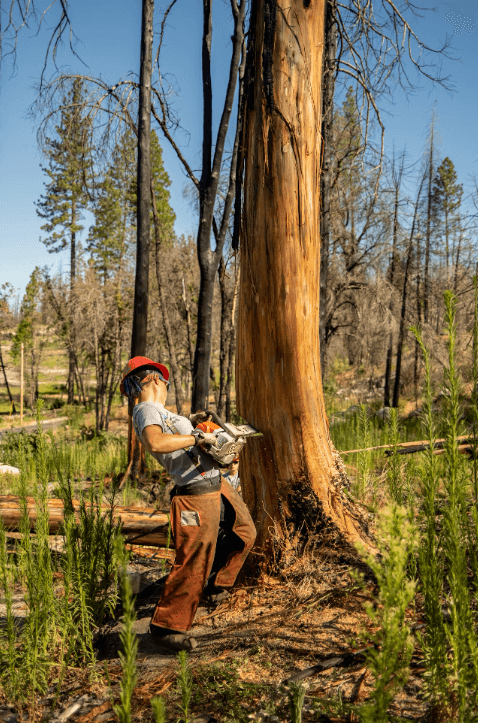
(219, 421)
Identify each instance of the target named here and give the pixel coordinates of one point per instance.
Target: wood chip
(94, 712)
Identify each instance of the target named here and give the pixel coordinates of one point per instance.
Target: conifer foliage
(68, 168)
(28, 333)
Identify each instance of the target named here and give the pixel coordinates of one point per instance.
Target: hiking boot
(172, 639)
(213, 595)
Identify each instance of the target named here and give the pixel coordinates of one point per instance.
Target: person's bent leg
(195, 526)
(241, 541)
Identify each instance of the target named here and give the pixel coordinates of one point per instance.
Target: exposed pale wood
(161, 553)
(55, 542)
(293, 468)
(138, 524)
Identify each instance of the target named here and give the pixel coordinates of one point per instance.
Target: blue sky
(109, 45)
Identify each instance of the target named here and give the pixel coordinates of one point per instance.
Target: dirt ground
(265, 633)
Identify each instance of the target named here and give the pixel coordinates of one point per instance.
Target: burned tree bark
(12, 403)
(397, 174)
(140, 313)
(328, 80)
(292, 475)
(403, 312)
(208, 188)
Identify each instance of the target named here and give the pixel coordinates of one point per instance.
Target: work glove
(203, 438)
(198, 417)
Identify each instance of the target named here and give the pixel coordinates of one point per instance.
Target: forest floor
(311, 616)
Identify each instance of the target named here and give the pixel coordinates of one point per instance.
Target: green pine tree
(446, 202)
(114, 210)
(27, 333)
(65, 198)
(161, 184)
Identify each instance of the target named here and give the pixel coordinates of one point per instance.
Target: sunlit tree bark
(292, 474)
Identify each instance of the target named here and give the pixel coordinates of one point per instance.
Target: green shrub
(392, 646)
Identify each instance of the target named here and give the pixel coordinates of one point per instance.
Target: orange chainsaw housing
(211, 427)
(208, 427)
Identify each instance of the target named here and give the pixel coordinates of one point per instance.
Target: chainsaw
(230, 438)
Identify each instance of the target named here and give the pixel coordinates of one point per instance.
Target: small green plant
(9, 679)
(59, 622)
(75, 415)
(129, 641)
(296, 694)
(461, 635)
(364, 457)
(394, 469)
(185, 684)
(228, 696)
(392, 649)
(90, 534)
(159, 709)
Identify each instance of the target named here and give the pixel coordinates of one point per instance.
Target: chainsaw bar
(239, 430)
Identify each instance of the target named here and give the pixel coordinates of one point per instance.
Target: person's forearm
(170, 443)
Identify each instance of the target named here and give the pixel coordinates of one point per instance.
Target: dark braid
(132, 387)
(133, 384)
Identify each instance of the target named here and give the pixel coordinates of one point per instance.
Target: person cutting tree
(211, 527)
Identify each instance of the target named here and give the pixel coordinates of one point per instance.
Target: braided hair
(133, 384)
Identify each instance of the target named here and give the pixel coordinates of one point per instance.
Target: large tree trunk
(292, 475)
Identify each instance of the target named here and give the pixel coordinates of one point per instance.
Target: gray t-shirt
(179, 465)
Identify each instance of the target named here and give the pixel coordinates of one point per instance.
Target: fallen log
(141, 525)
(412, 447)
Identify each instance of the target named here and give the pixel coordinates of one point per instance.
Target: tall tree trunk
(225, 338)
(447, 247)
(118, 325)
(403, 312)
(457, 263)
(140, 313)
(14, 411)
(426, 279)
(97, 374)
(202, 356)
(232, 346)
(140, 309)
(79, 382)
(187, 311)
(175, 371)
(291, 474)
(71, 348)
(388, 365)
(418, 301)
(208, 186)
(328, 80)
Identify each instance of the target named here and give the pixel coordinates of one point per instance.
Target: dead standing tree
(140, 310)
(292, 474)
(208, 184)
